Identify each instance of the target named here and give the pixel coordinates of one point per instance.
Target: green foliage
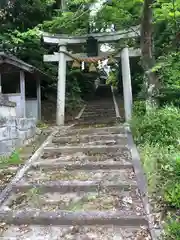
(164, 121)
(169, 95)
(74, 21)
(166, 18)
(122, 14)
(172, 195)
(139, 108)
(172, 185)
(156, 131)
(156, 160)
(14, 159)
(68, 22)
(158, 134)
(166, 10)
(41, 125)
(172, 228)
(168, 69)
(112, 79)
(25, 14)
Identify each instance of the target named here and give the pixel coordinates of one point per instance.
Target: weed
(172, 228)
(13, 159)
(42, 125)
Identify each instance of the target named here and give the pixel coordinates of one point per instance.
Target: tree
(148, 59)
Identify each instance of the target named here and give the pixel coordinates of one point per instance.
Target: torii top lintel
(101, 37)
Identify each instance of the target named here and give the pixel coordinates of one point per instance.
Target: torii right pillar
(127, 88)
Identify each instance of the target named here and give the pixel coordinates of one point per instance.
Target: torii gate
(63, 56)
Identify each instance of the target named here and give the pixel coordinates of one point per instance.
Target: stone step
(83, 158)
(103, 107)
(118, 176)
(70, 165)
(107, 232)
(82, 125)
(100, 109)
(99, 112)
(70, 153)
(89, 138)
(94, 124)
(107, 200)
(93, 143)
(100, 121)
(94, 131)
(87, 149)
(99, 116)
(119, 218)
(72, 186)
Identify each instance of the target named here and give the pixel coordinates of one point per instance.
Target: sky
(94, 9)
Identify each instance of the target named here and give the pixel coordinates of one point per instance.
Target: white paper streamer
(83, 66)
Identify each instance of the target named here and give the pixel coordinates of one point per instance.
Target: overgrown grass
(160, 126)
(157, 135)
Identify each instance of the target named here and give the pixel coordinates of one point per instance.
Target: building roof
(12, 60)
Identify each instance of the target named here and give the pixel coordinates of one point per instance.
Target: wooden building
(20, 82)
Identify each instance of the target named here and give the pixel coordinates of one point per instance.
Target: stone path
(82, 187)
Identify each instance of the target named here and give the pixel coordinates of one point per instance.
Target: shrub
(139, 108)
(172, 185)
(172, 195)
(160, 126)
(169, 96)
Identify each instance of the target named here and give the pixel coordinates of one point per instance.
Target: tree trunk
(148, 60)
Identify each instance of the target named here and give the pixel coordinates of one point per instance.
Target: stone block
(3, 133)
(3, 122)
(6, 147)
(8, 133)
(21, 123)
(3, 148)
(19, 142)
(11, 122)
(11, 132)
(14, 132)
(10, 142)
(25, 123)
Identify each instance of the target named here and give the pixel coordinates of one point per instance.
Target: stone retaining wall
(14, 132)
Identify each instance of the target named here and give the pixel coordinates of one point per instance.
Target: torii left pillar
(61, 87)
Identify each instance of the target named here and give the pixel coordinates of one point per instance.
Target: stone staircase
(101, 110)
(96, 114)
(82, 187)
